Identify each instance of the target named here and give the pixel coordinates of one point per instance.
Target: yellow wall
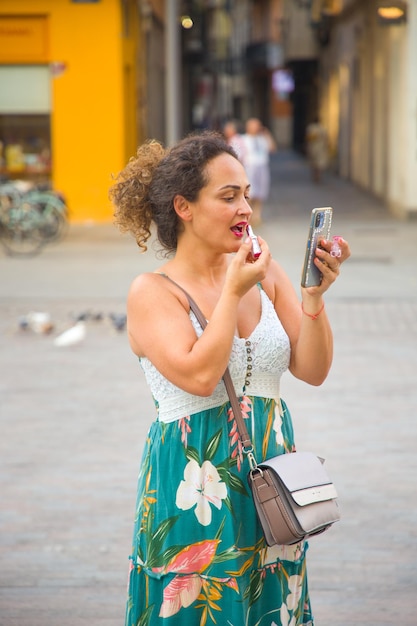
(92, 124)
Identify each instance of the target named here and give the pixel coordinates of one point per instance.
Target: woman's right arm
(160, 329)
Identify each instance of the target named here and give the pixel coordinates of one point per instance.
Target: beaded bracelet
(315, 315)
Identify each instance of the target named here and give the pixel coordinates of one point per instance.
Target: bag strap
(227, 379)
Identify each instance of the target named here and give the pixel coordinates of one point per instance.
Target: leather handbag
(293, 494)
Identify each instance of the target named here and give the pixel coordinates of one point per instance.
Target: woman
(258, 144)
(317, 149)
(234, 139)
(197, 545)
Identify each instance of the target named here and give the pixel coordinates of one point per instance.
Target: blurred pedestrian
(258, 144)
(234, 138)
(197, 544)
(317, 149)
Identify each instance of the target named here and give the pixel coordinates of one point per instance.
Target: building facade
(70, 73)
(367, 94)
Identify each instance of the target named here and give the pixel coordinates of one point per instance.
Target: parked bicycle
(30, 217)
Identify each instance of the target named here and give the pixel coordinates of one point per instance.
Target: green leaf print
(229, 554)
(228, 463)
(212, 446)
(254, 590)
(228, 503)
(156, 540)
(232, 481)
(220, 529)
(145, 617)
(192, 454)
(169, 554)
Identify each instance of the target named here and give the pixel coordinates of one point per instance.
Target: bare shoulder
(157, 311)
(149, 289)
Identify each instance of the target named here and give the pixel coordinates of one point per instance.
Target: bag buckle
(251, 458)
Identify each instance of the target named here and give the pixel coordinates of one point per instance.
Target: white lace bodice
(266, 351)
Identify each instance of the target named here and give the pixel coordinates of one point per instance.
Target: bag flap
(314, 494)
(301, 471)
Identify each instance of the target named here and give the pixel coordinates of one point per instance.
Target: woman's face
(222, 211)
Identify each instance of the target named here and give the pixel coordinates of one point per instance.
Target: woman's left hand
(329, 265)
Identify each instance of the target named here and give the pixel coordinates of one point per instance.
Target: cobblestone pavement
(73, 420)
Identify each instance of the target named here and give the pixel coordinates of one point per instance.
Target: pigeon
(119, 320)
(23, 322)
(85, 316)
(81, 317)
(39, 322)
(74, 335)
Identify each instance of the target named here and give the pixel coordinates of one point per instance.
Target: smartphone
(320, 225)
(256, 248)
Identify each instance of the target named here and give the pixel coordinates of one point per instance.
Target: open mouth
(239, 229)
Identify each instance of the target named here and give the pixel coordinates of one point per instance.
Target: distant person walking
(234, 138)
(258, 143)
(317, 149)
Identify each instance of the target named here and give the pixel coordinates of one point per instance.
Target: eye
(229, 199)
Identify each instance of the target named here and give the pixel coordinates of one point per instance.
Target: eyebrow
(237, 187)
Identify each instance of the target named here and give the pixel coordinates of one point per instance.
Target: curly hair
(145, 189)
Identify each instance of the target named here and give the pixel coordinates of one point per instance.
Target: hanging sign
(23, 39)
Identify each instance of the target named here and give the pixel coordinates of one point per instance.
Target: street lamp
(392, 12)
(186, 22)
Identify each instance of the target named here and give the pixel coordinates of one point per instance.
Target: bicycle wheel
(20, 234)
(52, 212)
(9, 198)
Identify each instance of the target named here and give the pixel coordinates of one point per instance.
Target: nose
(245, 208)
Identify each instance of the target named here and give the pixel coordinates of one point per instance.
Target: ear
(182, 208)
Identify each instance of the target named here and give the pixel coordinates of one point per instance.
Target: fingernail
(335, 250)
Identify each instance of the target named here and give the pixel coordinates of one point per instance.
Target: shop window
(25, 138)
(25, 150)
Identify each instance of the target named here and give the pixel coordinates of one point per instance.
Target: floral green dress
(199, 556)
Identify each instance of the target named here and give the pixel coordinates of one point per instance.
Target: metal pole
(172, 72)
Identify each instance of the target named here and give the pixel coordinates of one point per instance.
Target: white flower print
(295, 585)
(201, 486)
(276, 426)
(272, 554)
(285, 617)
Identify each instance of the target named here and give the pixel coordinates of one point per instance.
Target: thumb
(245, 247)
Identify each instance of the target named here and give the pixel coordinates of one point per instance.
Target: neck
(197, 266)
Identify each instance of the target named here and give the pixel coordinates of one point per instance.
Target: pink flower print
(235, 441)
(246, 407)
(232, 583)
(182, 591)
(185, 428)
(194, 558)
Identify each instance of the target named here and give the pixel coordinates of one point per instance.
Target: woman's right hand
(243, 272)
(159, 325)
